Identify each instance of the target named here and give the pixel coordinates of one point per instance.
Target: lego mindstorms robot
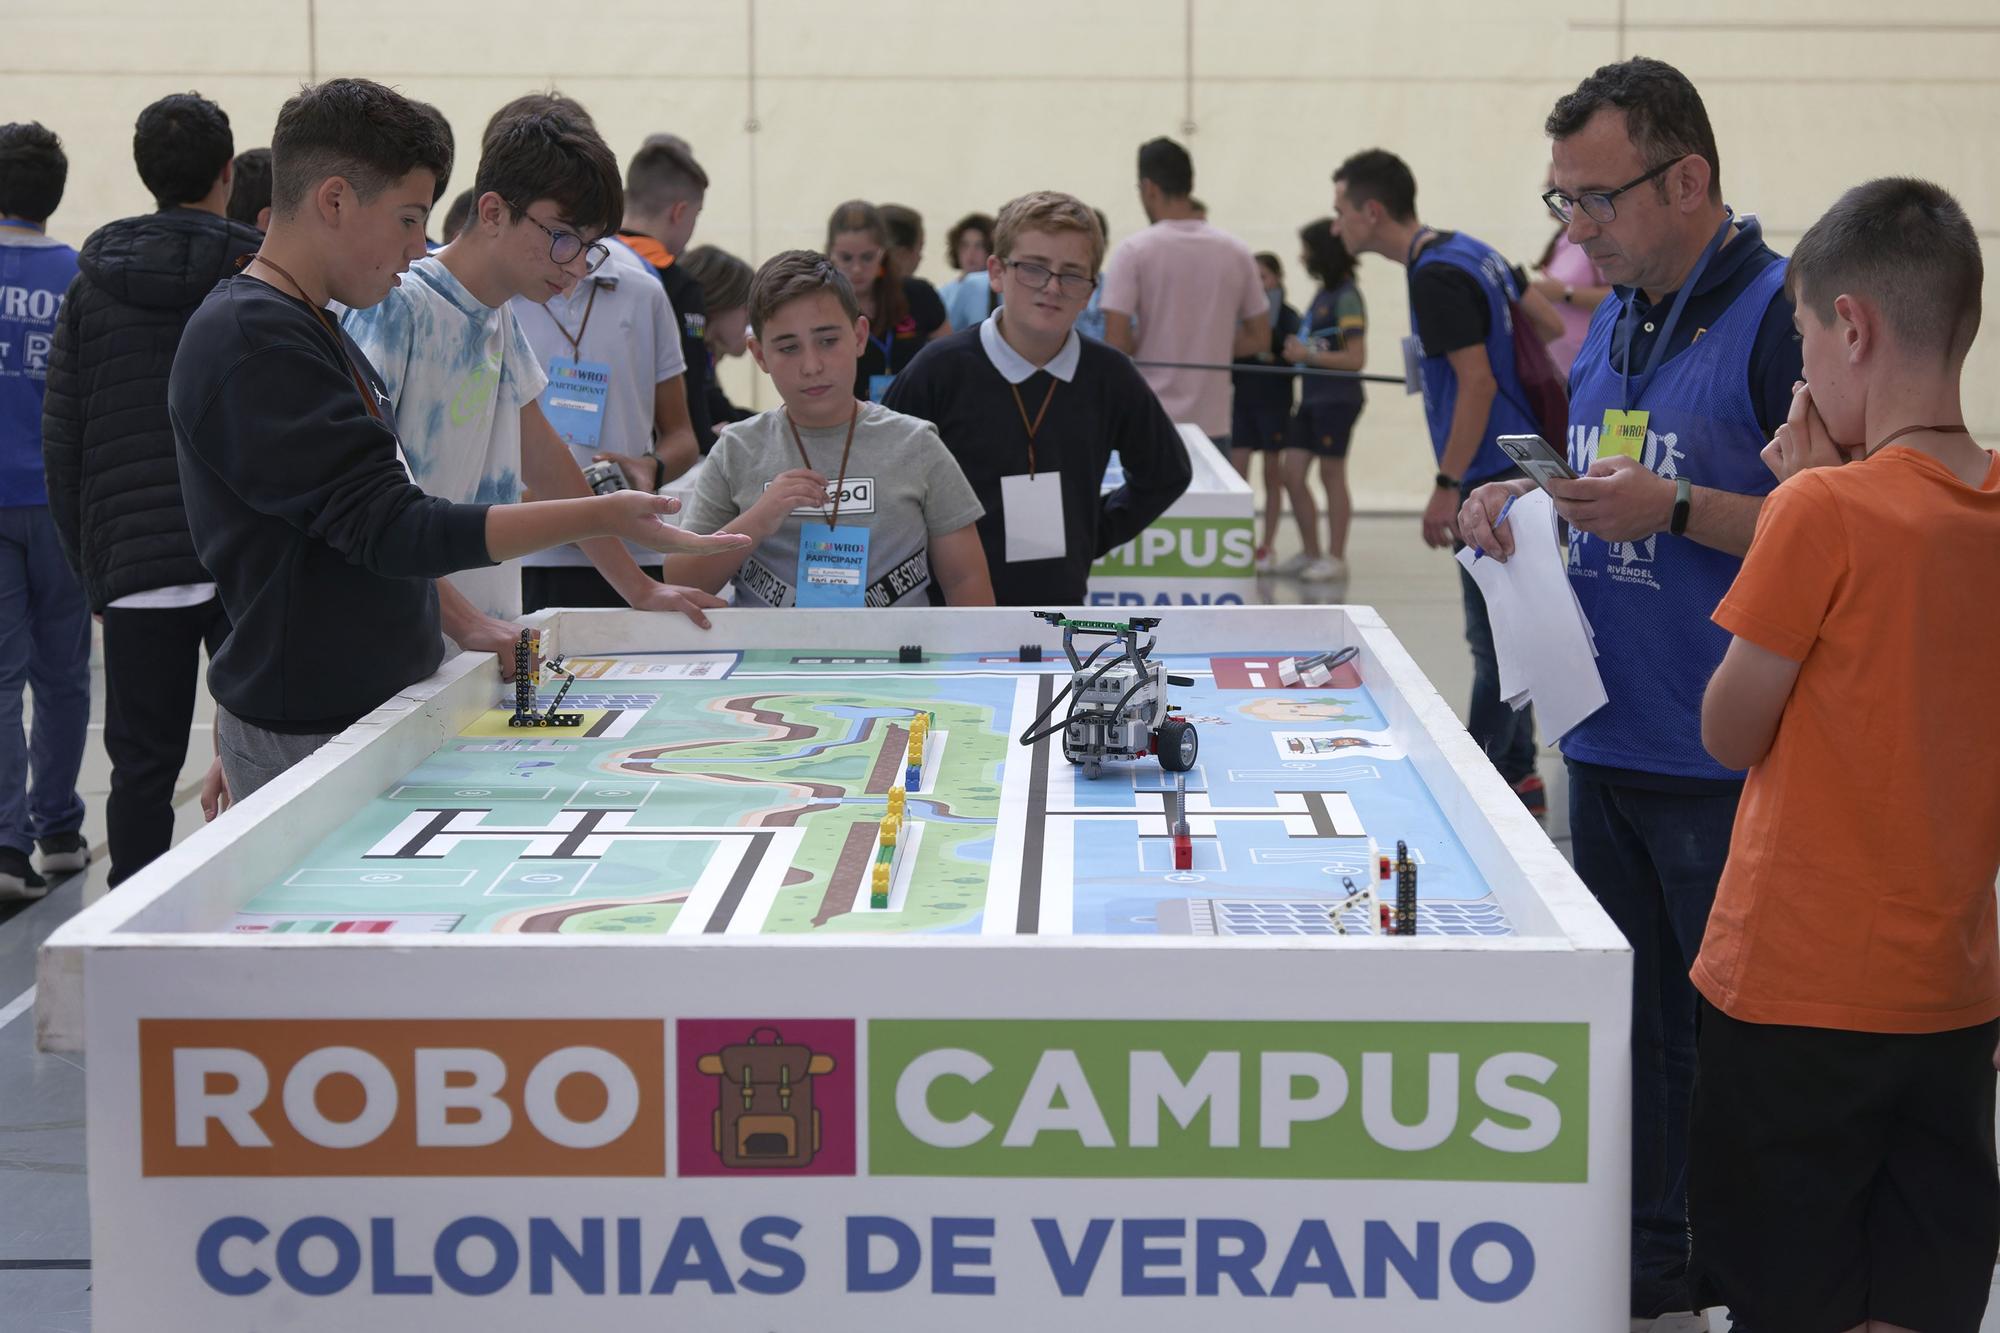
(1118, 705)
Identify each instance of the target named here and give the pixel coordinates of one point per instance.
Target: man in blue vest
(1687, 371)
(1462, 297)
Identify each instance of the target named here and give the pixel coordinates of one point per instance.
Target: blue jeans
(1507, 736)
(1652, 860)
(44, 645)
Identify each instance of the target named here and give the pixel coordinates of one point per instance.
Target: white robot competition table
(788, 989)
(1201, 552)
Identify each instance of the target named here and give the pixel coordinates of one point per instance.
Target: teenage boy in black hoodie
(114, 488)
(323, 548)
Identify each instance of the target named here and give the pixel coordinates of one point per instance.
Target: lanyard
(1630, 396)
(576, 343)
(1036, 425)
(839, 485)
(887, 348)
(360, 385)
(1912, 430)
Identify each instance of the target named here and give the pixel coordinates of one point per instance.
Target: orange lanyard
(360, 385)
(1034, 427)
(576, 343)
(839, 486)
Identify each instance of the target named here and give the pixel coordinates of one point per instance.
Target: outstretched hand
(641, 517)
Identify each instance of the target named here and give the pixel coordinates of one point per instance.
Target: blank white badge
(1032, 509)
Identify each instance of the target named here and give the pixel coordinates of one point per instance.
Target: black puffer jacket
(114, 484)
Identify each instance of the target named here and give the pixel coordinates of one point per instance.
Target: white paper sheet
(1547, 651)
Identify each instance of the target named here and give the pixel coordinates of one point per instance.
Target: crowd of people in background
(226, 426)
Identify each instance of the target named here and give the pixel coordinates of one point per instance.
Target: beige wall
(951, 105)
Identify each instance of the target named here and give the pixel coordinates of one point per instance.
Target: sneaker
(1268, 563)
(1535, 796)
(17, 878)
(1324, 569)
(64, 853)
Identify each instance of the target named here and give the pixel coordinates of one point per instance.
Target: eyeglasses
(565, 246)
(1597, 204)
(1036, 276)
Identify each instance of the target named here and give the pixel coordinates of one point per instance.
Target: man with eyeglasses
(1032, 411)
(464, 380)
(1687, 371)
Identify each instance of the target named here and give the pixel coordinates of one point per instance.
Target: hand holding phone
(1538, 458)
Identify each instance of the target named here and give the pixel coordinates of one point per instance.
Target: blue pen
(1479, 553)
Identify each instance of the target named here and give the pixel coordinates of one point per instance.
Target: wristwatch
(1447, 482)
(1683, 501)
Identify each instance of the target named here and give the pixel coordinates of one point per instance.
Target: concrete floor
(44, 1211)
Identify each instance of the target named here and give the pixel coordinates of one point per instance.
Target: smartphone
(1538, 458)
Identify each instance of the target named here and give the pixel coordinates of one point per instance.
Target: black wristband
(659, 472)
(1447, 482)
(1683, 502)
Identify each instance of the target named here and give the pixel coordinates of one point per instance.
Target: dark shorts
(1324, 430)
(1255, 425)
(1838, 1177)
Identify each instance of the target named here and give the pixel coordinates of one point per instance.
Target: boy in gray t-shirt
(851, 504)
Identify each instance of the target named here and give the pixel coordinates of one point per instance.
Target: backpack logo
(766, 1097)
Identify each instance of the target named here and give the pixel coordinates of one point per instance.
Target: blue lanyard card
(833, 565)
(574, 400)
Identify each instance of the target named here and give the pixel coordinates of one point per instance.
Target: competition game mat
(744, 792)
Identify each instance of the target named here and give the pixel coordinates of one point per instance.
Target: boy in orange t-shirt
(1842, 1151)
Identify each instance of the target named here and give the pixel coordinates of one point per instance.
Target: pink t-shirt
(1569, 264)
(1187, 286)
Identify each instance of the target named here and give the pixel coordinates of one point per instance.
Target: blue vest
(1509, 414)
(1649, 601)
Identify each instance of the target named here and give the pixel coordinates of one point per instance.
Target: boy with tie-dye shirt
(465, 381)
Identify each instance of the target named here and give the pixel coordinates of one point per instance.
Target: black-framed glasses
(1596, 204)
(565, 246)
(1036, 276)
